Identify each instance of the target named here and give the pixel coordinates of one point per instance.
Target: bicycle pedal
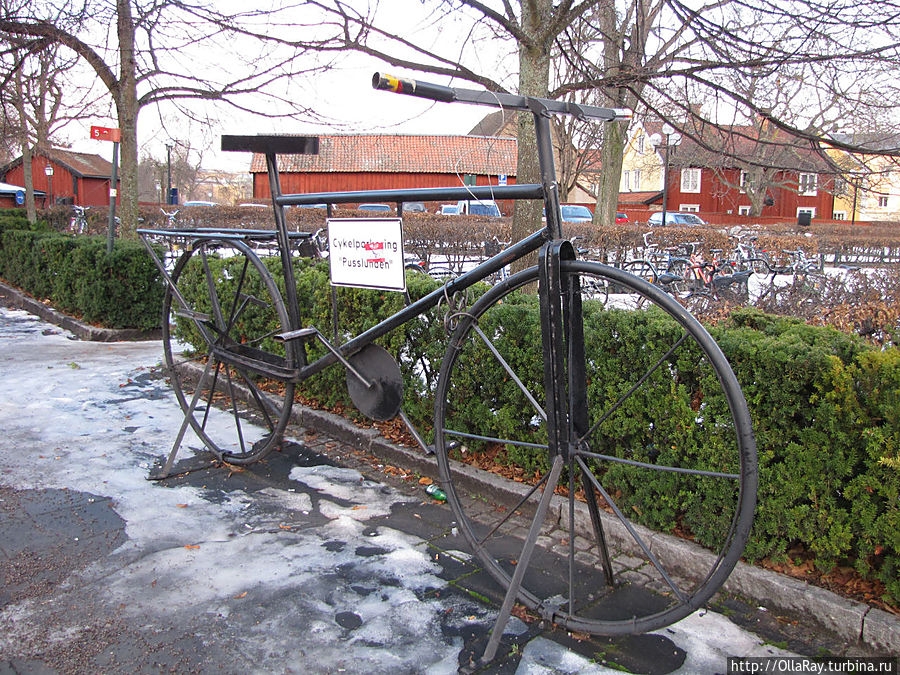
(191, 314)
(253, 300)
(299, 334)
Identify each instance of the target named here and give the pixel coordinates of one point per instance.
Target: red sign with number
(105, 134)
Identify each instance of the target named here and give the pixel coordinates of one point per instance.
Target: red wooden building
(77, 178)
(348, 162)
(711, 183)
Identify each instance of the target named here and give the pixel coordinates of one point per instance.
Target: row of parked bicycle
(700, 280)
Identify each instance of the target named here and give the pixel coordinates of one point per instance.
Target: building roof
(396, 153)
(80, 164)
(498, 123)
(713, 146)
(6, 188)
(640, 198)
(874, 142)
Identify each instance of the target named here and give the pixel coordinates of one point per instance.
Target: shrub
(122, 289)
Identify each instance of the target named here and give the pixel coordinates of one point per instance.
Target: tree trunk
(611, 155)
(534, 80)
(614, 133)
(127, 108)
(25, 143)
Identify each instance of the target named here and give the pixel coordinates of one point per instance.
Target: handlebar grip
(434, 92)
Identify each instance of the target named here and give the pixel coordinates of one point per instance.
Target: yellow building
(869, 190)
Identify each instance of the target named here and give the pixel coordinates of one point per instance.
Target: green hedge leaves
(118, 290)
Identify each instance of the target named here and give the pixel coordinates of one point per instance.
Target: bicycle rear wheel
(220, 316)
(660, 440)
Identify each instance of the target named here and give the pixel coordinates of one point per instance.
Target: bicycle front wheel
(659, 441)
(220, 315)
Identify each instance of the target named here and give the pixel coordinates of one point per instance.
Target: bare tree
(164, 51)
(817, 68)
(183, 164)
(38, 93)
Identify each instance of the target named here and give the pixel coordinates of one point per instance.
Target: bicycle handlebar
(444, 94)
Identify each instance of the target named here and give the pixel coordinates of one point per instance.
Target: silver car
(675, 218)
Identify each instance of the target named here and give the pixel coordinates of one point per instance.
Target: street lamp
(168, 173)
(48, 170)
(672, 138)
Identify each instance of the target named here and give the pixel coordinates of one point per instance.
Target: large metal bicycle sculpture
(633, 418)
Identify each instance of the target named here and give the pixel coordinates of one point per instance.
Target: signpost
(107, 134)
(367, 253)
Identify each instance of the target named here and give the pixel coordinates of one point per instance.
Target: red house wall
(718, 196)
(91, 191)
(298, 183)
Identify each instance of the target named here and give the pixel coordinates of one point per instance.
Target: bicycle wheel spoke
(266, 407)
(658, 467)
(235, 313)
(217, 365)
(634, 535)
(213, 293)
(492, 439)
(605, 416)
(537, 406)
(234, 413)
(514, 509)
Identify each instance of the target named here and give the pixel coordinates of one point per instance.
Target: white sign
(501, 179)
(366, 253)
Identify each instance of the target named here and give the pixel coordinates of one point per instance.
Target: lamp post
(671, 138)
(168, 173)
(48, 170)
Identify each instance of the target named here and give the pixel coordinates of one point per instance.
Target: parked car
(575, 213)
(479, 207)
(374, 207)
(413, 207)
(675, 218)
(621, 218)
(449, 209)
(199, 203)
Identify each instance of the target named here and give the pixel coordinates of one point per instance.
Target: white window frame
(811, 210)
(626, 180)
(808, 184)
(883, 201)
(743, 182)
(689, 208)
(839, 215)
(690, 180)
(641, 144)
(744, 210)
(636, 179)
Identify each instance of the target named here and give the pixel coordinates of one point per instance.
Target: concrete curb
(851, 620)
(83, 331)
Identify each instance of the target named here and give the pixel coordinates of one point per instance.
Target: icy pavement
(305, 575)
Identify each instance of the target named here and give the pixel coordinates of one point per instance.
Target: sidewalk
(316, 560)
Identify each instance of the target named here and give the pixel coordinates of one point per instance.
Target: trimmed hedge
(118, 290)
(825, 406)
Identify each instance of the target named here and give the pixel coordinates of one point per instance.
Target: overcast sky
(343, 96)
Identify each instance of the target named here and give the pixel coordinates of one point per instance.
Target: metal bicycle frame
(547, 191)
(559, 297)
